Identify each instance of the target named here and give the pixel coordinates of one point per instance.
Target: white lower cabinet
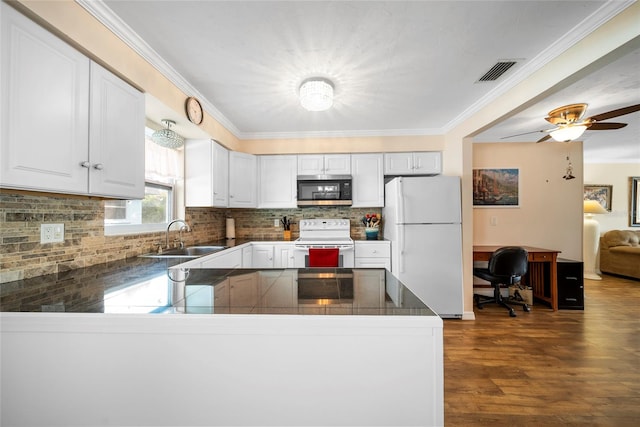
(262, 255)
(229, 258)
(284, 256)
(373, 254)
(247, 255)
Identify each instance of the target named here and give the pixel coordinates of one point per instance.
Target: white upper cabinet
(116, 137)
(418, 163)
(324, 164)
(277, 181)
(68, 126)
(368, 180)
(242, 180)
(206, 174)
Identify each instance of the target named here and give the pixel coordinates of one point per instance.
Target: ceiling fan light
(316, 94)
(568, 133)
(166, 137)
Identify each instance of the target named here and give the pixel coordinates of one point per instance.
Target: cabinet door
(277, 183)
(247, 256)
(44, 96)
(398, 163)
(427, 163)
(206, 173)
(242, 180)
(116, 140)
(262, 256)
(220, 171)
(230, 258)
(368, 180)
(337, 164)
(311, 164)
(284, 256)
(198, 182)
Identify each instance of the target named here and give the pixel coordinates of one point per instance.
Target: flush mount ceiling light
(167, 137)
(316, 94)
(568, 133)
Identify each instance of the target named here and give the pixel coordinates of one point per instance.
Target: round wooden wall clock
(194, 110)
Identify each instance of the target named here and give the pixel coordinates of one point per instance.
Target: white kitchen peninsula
(296, 347)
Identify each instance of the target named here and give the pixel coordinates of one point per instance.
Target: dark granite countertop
(147, 285)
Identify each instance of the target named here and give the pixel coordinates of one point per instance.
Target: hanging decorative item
(167, 137)
(568, 174)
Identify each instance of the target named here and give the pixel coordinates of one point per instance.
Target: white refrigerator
(422, 219)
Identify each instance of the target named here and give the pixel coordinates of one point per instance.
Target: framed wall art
(634, 201)
(599, 193)
(496, 187)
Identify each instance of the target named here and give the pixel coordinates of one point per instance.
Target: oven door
(346, 259)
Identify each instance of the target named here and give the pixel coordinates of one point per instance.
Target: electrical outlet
(51, 233)
(276, 223)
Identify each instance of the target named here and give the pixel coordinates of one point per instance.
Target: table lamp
(591, 237)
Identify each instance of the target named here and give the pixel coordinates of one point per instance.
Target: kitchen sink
(188, 252)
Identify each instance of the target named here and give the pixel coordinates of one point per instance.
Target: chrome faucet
(185, 226)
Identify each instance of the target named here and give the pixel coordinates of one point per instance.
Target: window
(164, 180)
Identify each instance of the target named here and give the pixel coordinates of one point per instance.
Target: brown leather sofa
(620, 253)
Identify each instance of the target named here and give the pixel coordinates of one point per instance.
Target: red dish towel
(323, 257)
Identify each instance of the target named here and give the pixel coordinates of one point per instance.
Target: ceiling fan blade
(526, 133)
(615, 113)
(606, 126)
(543, 139)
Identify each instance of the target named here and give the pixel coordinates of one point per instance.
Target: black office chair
(506, 267)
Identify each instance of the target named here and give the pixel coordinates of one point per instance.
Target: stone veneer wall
(23, 256)
(258, 223)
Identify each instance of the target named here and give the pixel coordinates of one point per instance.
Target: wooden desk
(542, 274)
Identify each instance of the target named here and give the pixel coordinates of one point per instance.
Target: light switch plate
(51, 233)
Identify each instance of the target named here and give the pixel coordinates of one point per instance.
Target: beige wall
(550, 211)
(617, 175)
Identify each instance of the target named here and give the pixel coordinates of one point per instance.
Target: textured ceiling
(399, 68)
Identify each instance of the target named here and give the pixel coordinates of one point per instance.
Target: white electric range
(325, 233)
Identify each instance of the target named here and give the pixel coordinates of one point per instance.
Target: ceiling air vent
(496, 71)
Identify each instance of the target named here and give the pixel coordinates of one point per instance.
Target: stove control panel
(325, 224)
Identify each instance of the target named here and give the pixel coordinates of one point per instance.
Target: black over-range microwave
(324, 190)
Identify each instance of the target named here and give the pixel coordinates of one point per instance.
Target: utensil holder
(371, 233)
(287, 234)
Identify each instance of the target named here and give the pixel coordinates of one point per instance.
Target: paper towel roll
(231, 228)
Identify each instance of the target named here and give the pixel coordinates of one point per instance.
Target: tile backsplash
(23, 256)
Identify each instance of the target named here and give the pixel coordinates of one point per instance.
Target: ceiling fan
(570, 124)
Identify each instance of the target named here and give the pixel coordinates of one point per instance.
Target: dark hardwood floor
(545, 368)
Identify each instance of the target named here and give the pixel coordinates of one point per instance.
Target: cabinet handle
(85, 164)
(98, 166)
(231, 196)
